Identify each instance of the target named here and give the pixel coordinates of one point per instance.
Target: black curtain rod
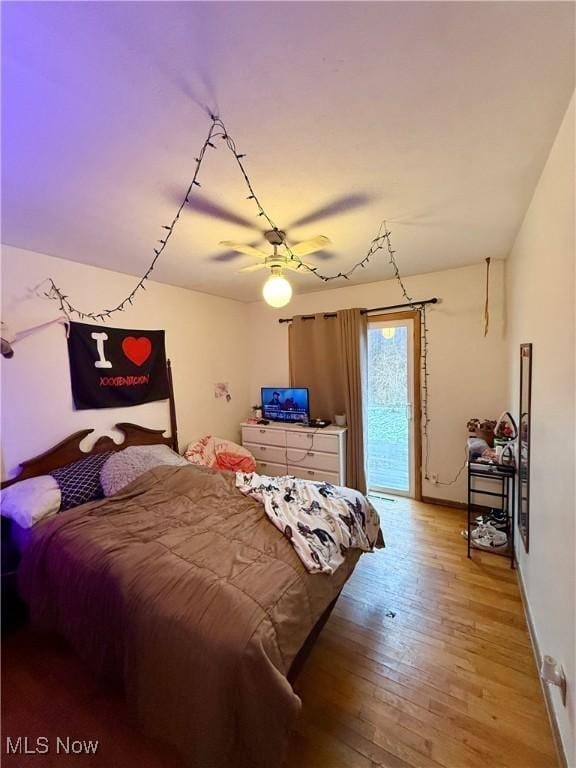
(367, 311)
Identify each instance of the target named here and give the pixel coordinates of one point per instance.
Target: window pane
(386, 409)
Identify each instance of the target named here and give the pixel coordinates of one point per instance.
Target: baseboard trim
(562, 758)
(444, 502)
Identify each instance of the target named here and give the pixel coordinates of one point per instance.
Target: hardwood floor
(425, 662)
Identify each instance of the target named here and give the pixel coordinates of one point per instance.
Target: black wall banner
(115, 367)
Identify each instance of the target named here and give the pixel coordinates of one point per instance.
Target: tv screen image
(285, 404)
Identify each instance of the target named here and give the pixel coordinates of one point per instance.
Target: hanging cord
(486, 311)
(451, 482)
(290, 461)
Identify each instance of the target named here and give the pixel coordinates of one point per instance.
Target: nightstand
(14, 611)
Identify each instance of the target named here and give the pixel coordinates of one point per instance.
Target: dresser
(292, 449)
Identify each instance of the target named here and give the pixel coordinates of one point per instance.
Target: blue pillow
(80, 482)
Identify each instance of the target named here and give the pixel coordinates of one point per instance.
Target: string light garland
(424, 401)
(376, 244)
(216, 131)
(68, 308)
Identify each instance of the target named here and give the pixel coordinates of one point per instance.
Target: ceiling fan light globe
(277, 291)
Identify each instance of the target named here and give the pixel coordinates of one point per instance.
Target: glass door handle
(409, 411)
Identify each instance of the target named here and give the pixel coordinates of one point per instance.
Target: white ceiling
(436, 116)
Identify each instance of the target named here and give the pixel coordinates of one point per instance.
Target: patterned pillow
(126, 465)
(80, 482)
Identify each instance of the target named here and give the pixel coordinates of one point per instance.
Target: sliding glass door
(389, 407)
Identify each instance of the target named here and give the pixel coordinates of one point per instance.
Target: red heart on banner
(137, 350)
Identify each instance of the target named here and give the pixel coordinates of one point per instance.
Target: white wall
(211, 339)
(467, 371)
(206, 339)
(540, 310)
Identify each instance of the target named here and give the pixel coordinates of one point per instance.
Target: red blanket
(218, 453)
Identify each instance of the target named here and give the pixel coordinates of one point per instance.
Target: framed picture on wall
(524, 430)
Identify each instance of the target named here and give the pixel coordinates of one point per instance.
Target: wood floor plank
(425, 662)
(464, 652)
(428, 655)
(444, 712)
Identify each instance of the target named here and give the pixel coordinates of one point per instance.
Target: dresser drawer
(314, 441)
(272, 453)
(313, 474)
(268, 436)
(271, 469)
(313, 460)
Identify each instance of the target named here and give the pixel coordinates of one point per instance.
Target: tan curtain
(315, 363)
(353, 333)
(328, 355)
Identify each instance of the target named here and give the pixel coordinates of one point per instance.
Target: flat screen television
(285, 404)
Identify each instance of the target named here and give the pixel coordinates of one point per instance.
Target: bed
(180, 587)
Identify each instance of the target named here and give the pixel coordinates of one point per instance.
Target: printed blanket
(322, 521)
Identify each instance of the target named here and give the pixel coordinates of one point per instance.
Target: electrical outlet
(552, 673)
(434, 478)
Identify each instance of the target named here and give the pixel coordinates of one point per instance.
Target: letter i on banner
(100, 338)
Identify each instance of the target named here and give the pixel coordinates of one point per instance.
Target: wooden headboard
(68, 450)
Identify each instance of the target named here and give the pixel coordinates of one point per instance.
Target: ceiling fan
(277, 291)
(337, 206)
(282, 290)
(277, 238)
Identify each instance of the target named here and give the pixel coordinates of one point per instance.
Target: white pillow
(125, 466)
(31, 500)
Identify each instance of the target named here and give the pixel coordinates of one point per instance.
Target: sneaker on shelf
(496, 519)
(496, 540)
(481, 531)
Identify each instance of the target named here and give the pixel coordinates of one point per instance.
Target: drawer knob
(263, 431)
(310, 453)
(262, 447)
(311, 472)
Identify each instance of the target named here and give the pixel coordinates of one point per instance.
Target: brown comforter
(181, 587)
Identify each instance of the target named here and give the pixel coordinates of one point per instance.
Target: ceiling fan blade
(216, 211)
(339, 205)
(230, 255)
(310, 246)
(225, 256)
(249, 250)
(252, 268)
